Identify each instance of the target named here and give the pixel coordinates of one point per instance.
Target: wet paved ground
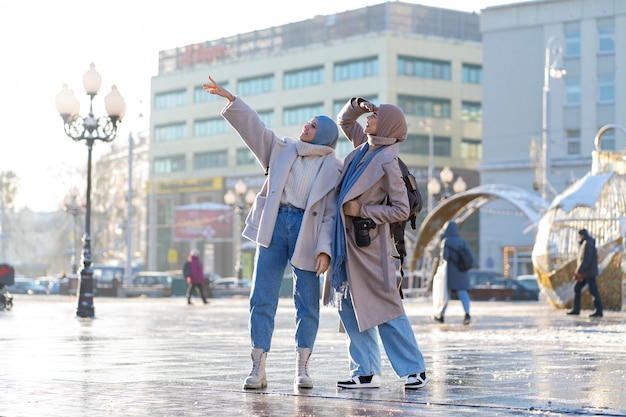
(160, 357)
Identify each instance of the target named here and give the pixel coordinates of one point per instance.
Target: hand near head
(368, 106)
(214, 88)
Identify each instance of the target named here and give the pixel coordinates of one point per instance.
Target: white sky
(45, 44)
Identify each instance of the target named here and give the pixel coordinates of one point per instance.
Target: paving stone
(161, 357)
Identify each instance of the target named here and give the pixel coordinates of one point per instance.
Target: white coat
(276, 155)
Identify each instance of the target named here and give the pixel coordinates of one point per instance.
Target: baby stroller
(7, 277)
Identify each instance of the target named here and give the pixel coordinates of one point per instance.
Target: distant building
(592, 36)
(427, 60)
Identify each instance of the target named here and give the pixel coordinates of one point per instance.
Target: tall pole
(85, 300)
(89, 129)
(552, 69)
(129, 220)
(431, 159)
(544, 126)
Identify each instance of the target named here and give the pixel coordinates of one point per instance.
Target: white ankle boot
(303, 380)
(256, 379)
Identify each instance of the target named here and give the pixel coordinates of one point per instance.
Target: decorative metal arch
(461, 206)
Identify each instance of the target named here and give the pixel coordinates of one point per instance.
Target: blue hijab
(338, 267)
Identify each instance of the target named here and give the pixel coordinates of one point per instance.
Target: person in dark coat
(457, 280)
(586, 273)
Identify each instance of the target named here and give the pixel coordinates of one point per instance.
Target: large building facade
(426, 60)
(525, 109)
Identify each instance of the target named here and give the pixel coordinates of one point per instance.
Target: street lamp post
(89, 129)
(239, 199)
(70, 202)
(431, 159)
(442, 185)
(553, 68)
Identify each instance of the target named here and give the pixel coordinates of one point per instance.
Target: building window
(573, 141)
(606, 38)
(472, 74)
(303, 78)
(471, 149)
(169, 164)
(606, 89)
(425, 106)
(267, 117)
(572, 91)
(607, 143)
(200, 95)
(245, 157)
(418, 144)
(168, 133)
(301, 115)
(170, 100)
(424, 68)
(215, 159)
(209, 127)
(471, 111)
(572, 44)
(356, 69)
(254, 86)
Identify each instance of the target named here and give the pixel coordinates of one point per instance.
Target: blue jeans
(269, 267)
(398, 340)
(465, 300)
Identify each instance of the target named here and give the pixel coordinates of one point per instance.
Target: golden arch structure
(596, 202)
(460, 207)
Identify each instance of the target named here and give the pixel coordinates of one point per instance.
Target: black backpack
(186, 269)
(464, 258)
(397, 228)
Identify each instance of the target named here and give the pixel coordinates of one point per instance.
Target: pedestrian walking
(372, 195)
(453, 250)
(291, 222)
(194, 274)
(586, 273)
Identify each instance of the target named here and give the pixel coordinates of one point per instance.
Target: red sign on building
(203, 221)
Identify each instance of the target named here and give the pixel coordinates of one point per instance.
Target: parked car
(231, 286)
(491, 285)
(26, 286)
(150, 284)
(530, 282)
(50, 283)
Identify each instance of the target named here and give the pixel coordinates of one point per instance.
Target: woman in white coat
(372, 195)
(291, 221)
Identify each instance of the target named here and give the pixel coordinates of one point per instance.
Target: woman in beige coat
(372, 195)
(291, 222)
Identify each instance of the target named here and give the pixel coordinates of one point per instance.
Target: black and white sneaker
(361, 381)
(416, 381)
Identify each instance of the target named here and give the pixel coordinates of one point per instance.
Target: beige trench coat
(279, 155)
(371, 269)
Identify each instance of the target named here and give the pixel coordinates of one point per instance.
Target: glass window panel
(355, 69)
(171, 132)
(170, 100)
(606, 89)
(254, 86)
(472, 73)
(302, 114)
(215, 159)
(169, 164)
(303, 78)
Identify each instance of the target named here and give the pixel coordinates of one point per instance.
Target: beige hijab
(391, 126)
